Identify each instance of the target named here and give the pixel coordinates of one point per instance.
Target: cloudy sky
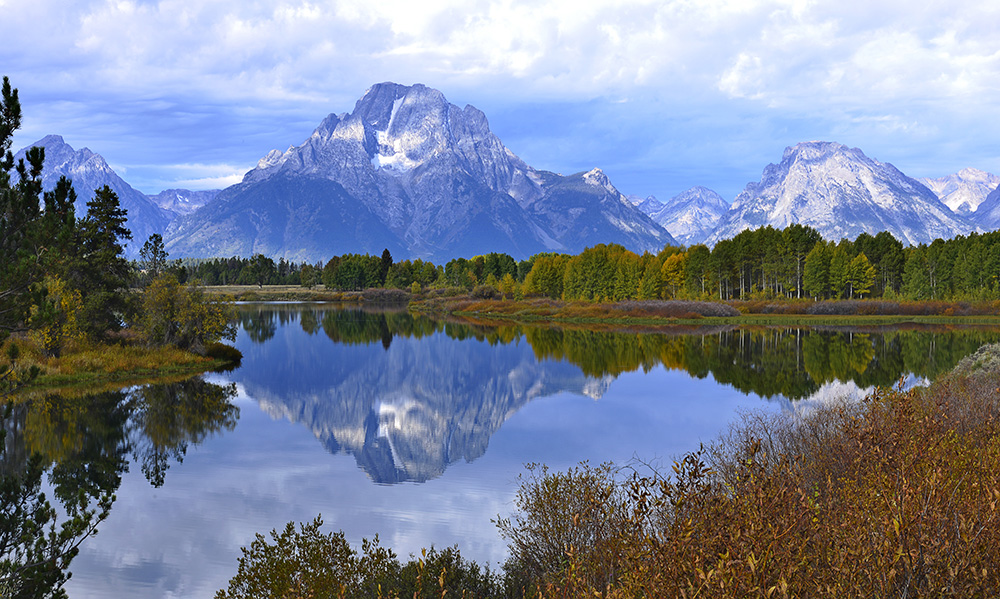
(661, 95)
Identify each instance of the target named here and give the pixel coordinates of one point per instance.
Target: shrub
(183, 316)
(223, 352)
(485, 292)
(676, 308)
(897, 496)
(310, 563)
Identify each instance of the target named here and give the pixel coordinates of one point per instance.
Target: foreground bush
(310, 563)
(183, 316)
(895, 496)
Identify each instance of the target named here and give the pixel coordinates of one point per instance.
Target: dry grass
(548, 309)
(125, 361)
(277, 293)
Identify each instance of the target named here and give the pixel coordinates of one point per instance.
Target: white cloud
(922, 69)
(745, 78)
(774, 50)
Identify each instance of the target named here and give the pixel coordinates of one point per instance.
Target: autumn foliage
(183, 316)
(895, 496)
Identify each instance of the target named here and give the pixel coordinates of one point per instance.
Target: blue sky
(661, 95)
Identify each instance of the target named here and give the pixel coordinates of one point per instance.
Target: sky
(660, 95)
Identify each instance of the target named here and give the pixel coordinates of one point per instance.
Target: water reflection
(413, 399)
(793, 363)
(395, 390)
(407, 395)
(85, 445)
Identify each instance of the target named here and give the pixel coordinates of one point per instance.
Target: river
(416, 430)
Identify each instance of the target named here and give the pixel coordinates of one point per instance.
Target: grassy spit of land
(456, 302)
(122, 362)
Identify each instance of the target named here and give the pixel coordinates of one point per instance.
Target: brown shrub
(893, 496)
(485, 292)
(386, 296)
(675, 308)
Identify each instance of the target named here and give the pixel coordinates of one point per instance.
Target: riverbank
(658, 313)
(456, 302)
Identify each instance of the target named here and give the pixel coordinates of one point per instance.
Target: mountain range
(689, 216)
(410, 172)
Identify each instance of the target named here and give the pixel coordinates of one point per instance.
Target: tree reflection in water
(84, 445)
(408, 395)
(793, 362)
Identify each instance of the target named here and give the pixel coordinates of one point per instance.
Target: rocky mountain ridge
(181, 202)
(963, 191)
(89, 171)
(841, 192)
(689, 216)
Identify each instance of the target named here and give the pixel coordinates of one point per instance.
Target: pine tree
(19, 213)
(104, 282)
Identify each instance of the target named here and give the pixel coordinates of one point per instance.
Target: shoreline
(113, 366)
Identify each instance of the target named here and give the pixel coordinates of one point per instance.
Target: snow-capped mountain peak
(432, 174)
(689, 216)
(963, 191)
(841, 192)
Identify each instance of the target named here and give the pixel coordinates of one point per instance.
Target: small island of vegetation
(73, 310)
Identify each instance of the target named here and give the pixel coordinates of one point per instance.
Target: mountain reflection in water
(396, 390)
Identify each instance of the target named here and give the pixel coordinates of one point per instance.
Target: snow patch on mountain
(689, 216)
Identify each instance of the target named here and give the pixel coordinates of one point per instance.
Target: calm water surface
(416, 431)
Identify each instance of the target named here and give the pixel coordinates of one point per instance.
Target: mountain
(691, 215)
(297, 218)
(647, 205)
(181, 202)
(841, 193)
(963, 191)
(431, 174)
(89, 171)
(987, 214)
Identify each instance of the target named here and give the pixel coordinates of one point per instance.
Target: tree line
(765, 263)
